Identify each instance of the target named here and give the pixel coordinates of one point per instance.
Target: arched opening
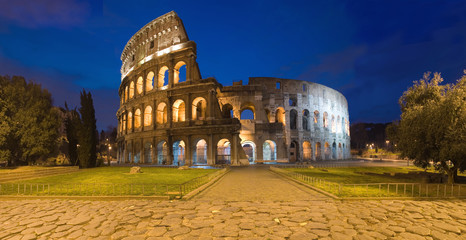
(162, 153)
(248, 111)
(294, 151)
(126, 93)
(131, 90)
(306, 120)
(325, 120)
(307, 151)
(150, 81)
(137, 118)
(124, 122)
(250, 149)
(269, 150)
(227, 111)
(130, 120)
(316, 117)
(333, 127)
(162, 113)
(139, 84)
(224, 151)
(130, 153)
(180, 72)
(247, 114)
(293, 119)
(343, 125)
(199, 108)
(327, 151)
(280, 115)
(178, 153)
(340, 151)
(137, 153)
(179, 111)
(148, 116)
(318, 151)
(148, 152)
(200, 154)
(334, 150)
(163, 77)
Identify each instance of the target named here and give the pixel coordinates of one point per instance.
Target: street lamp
(108, 154)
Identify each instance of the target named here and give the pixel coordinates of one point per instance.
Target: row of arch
(145, 118)
(160, 156)
(223, 152)
(152, 81)
(336, 125)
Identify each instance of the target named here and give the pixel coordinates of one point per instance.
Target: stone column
(188, 155)
(210, 153)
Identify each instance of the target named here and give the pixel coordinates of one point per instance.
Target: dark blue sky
(371, 51)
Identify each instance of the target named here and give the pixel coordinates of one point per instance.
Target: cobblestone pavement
(257, 184)
(221, 218)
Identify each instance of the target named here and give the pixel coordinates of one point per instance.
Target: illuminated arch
(131, 90)
(162, 113)
(325, 120)
(200, 153)
(179, 111)
(224, 151)
(269, 150)
(327, 151)
(177, 69)
(148, 116)
(137, 118)
(249, 148)
(139, 84)
(130, 120)
(150, 81)
(162, 79)
(307, 151)
(280, 115)
(316, 116)
(126, 93)
(333, 126)
(179, 148)
(318, 151)
(162, 153)
(199, 108)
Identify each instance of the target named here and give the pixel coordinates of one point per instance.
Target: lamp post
(108, 154)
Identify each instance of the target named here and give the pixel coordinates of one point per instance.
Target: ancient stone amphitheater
(170, 115)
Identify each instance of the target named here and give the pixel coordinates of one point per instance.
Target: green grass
(344, 182)
(110, 181)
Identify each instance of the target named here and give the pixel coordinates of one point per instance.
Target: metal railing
(414, 190)
(97, 189)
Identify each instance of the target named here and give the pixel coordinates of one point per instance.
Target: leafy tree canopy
(432, 128)
(29, 122)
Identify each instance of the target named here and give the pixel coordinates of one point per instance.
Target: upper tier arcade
(161, 36)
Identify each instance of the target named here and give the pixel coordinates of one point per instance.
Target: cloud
(44, 13)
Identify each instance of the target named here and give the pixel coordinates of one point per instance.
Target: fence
(97, 189)
(379, 189)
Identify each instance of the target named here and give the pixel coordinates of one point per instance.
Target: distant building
(170, 115)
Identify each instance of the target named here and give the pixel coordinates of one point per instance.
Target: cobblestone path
(144, 219)
(257, 184)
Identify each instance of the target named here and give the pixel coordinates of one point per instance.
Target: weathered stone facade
(170, 115)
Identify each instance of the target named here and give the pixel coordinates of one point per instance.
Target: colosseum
(170, 115)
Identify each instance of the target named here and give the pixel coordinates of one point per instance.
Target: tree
(29, 122)
(87, 137)
(433, 124)
(72, 125)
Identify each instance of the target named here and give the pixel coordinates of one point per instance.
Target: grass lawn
(109, 181)
(344, 181)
